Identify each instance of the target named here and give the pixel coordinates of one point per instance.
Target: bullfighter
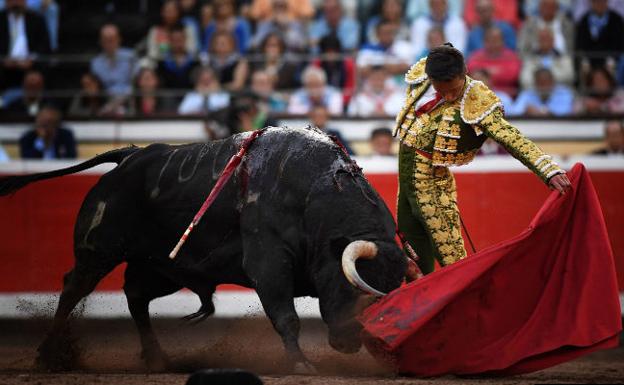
(445, 119)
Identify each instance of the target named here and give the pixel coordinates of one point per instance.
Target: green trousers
(427, 211)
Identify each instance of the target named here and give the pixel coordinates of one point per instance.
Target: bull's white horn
(351, 253)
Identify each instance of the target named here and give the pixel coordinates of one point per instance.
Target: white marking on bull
(253, 197)
(156, 189)
(95, 222)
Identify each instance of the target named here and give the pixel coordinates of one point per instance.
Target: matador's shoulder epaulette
(416, 73)
(478, 102)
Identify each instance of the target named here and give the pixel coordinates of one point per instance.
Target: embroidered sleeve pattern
(521, 148)
(416, 80)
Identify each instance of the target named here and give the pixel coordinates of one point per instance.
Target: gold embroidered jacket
(454, 131)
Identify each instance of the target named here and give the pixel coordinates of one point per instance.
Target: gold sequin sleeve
(518, 145)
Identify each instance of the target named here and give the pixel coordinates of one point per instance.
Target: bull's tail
(10, 184)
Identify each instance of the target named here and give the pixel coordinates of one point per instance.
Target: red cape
(544, 297)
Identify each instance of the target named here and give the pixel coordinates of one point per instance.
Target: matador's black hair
(444, 63)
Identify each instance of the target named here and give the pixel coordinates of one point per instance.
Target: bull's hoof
(305, 368)
(206, 310)
(155, 360)
(57, 353)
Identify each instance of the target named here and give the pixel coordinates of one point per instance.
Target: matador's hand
(561, 183)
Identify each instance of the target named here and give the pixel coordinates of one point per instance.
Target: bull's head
(384, 265)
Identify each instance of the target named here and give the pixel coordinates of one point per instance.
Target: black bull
(279, 226)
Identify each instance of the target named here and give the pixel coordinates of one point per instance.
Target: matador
(446, 118)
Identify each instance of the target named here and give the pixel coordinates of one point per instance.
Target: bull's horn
(351, 253)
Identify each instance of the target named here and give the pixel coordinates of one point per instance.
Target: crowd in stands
(245, 61)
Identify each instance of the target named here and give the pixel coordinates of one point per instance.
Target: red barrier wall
(36, 224)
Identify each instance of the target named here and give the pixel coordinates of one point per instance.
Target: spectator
(231, 68)
(32, 97)
(546, 99)
(435, 37)
(378, 97)
(600, 94)
(551, 17)
(148, 99)
(91, 101)
(599, 36)
(262, 84)
(175, 69)
(454, 27)
(506, 11)
(319, 118)
(396, 55)
(4, 157)
(502, 63)
(391, 12)
(226, 20)
(315, 91)
(115, 65)
(381, 142)
(482, 74)
(48, 140)
(485, 12)
(296, 10)
(333, 22)
(582, 6)
(292, 30)
(189, 16)
(547, 56)
(614, 138)
(207, 95)
(158, 44)
(569, 7)
(275, 62)
(340, 69)
(206, 16)
(23, 36)
(420, 8)
(49, 10)
(246, 114)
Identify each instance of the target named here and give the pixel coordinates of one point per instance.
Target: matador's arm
(518, 145)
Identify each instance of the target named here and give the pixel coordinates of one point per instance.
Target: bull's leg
(143, 284)
(274, 285)
(277, 300)
(56, 351)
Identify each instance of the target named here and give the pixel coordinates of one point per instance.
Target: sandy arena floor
(110, 355)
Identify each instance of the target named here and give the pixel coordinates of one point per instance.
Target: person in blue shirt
(115, 65)
(485, 10)
(333, 21)
(226, 19)
(547, 98)
(48, 140)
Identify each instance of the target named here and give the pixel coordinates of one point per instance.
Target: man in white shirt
(378, 97)
(395, 55)
(315, 91)
(453, 26)
(23, 36)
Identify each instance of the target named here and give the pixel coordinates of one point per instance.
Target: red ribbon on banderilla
(227, 172)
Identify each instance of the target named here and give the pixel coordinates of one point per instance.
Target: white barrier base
(228, 304)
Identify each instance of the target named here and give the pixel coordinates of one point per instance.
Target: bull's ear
(337, 246)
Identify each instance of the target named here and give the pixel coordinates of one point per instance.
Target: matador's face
(450, 90)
